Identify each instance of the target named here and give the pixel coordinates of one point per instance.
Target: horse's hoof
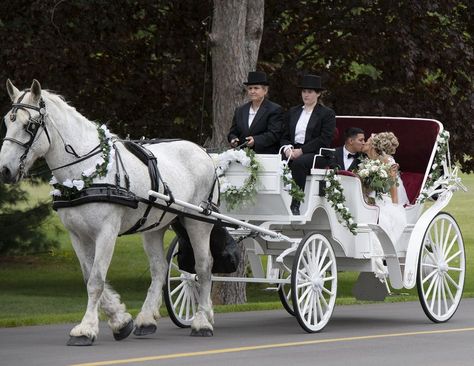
(124, 332)
(202, 332)
(80, 341)
(145, 330)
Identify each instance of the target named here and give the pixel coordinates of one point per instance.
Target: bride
(392, 217)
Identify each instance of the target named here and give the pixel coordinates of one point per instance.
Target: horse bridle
(31, 128)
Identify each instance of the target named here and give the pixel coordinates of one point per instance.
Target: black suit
(265, 128)
(319, 133)
(340, 159)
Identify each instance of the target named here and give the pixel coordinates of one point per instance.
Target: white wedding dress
(392, 216)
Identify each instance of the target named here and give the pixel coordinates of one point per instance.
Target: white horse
(42, 124)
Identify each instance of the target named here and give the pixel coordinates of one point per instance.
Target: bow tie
(351, 156)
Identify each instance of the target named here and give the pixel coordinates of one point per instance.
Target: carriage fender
(416, 238)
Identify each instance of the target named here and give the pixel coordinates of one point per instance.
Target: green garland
(335, 196)
(236, 197)
(71, 187)
(437, 167)
(295, 191)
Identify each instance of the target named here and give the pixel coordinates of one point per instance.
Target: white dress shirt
(301, 125)
(347, 160)
(252, 114)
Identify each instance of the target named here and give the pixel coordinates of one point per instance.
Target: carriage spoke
(452, 281)
(183, 303)
(430, 287)
(330, 293)
(430, 254)
(307, 297)
(319, 308)
(443, 294)
(178, 299)
(445, 244)
(318, 253)
(441, 241)
(321, 260)
(309, 306)
(301, 285)
(329, 278)
(306, 265)
(439, 297)
(451, 246)
(315, 308)
(432, 273)
(435, 290)
(446, 285)
(321, 296)
(177, 288)
(453, 256)
(323, 270)
(456, 269)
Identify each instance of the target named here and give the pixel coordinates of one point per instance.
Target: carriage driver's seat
(417, 138)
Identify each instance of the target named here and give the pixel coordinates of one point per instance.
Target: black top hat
(311, 82)
(256, 78)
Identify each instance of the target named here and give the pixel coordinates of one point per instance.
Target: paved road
(375, 334)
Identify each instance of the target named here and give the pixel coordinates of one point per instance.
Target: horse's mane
(60, 103)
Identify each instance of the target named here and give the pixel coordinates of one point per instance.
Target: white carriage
(305, 253)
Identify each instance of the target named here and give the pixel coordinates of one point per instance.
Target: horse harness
(114, 193)
(31, 128)
(105, 192)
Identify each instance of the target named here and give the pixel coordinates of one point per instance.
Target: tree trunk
(237, 28)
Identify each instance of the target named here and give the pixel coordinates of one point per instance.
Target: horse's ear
(35, 90)
(12, 90)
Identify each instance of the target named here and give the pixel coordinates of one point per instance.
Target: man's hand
(293, 153)
(297, 153)
(251, 141)
(234, 142)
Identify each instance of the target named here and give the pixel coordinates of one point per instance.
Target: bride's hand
(394, 170)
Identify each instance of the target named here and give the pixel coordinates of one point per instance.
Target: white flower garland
(100, 168)
(335, 196)
(236, 197)
(289, 183)
(437, 167)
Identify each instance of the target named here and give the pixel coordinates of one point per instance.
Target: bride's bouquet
(375, 176)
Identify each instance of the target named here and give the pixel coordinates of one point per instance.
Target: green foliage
(20, 229)
(141, 68)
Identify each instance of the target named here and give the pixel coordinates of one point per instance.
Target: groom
(348, 157)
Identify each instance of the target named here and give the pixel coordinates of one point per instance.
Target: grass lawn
(48, 288)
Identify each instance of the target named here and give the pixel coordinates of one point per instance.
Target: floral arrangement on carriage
(376, 178)
(236, 197)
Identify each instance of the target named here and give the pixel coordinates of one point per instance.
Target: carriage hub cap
(317, 283)
(443, 267)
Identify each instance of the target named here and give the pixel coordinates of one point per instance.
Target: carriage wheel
(284, 292)
(180, 291)
(314, 282)
(441, 268)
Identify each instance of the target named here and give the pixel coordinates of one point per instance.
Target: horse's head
(26, 138)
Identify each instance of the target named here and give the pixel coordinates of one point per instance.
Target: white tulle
(392, 217)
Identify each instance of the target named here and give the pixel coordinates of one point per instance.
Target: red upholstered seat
(417, 138)
(412, 183)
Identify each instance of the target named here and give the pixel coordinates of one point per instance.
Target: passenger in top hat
(306, 129)
(257, 122)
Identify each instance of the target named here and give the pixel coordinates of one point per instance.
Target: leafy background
(142, 66)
